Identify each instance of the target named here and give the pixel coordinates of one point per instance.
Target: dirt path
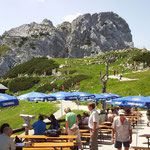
(122, 79)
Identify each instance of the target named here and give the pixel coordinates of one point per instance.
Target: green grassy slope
(11, 114)
(90, 67)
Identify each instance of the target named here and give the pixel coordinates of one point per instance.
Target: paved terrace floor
(106, 145)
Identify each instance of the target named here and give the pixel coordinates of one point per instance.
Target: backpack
(53, 132)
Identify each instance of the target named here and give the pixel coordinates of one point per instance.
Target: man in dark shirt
(39, 126)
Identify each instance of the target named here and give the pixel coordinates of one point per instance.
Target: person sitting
(6, 143)
(148, 116)
(110, 116)
(39, 126)
(85, 118)
(127, 111)
(3, 126)
(115, 112)
(79, 120)
(102, 116)
(134, 112)
(54, 121)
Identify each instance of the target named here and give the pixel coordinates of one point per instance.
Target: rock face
(87, 35)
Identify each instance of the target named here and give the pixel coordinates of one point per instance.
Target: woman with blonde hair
(110, 116)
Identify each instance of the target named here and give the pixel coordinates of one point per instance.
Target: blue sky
(14, 13)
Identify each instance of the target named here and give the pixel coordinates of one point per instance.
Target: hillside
(88, 35)
(11, 115)
(86, 72)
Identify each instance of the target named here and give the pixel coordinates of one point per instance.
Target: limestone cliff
(87, 35)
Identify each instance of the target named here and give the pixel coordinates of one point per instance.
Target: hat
(121, 112)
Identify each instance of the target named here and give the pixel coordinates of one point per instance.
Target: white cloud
(71, 17)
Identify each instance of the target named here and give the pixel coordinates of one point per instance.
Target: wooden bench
(48, 146)
(45, 149)
(139, 148)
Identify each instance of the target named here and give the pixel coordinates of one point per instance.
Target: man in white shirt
(6, 143)
(93, 125)
(122, 130)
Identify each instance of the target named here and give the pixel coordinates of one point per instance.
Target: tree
(104, 78)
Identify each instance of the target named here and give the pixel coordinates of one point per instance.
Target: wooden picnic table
(55, 145)
(84, 130)
(34, 137)
(148, 138)
(107, 123)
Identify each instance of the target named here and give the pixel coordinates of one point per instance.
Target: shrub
(88, 42)
(34, 66)
(5, 83)
(70, 71)
(47, 87)
(23, 83)
(4, 49)
(144, 57)
(32, 45)
(77, 78)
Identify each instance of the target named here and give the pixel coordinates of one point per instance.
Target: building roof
(2, 87)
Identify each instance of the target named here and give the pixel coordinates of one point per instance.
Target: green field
(11, 115)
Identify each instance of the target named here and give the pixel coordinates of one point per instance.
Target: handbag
(74, 128)
(52, 132)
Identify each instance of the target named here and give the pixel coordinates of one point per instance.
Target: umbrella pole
(61, 109)
(34, 111)
(78, 104)
(137, 129)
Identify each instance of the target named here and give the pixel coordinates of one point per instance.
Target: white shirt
(6, 143)
(94, 117)
(122, 133)
(85, 120)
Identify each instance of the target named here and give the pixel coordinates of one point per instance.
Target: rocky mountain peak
(88, 35)
(47, 22)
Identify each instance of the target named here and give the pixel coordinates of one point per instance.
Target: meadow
(87, 72)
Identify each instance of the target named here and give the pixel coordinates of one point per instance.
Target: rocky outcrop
(87, 35)
(98, 33)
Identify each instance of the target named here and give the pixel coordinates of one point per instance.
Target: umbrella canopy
(64, 96)
(132, 101)
(82, 96)
(105, 96)
(36, 96)
(7, 100)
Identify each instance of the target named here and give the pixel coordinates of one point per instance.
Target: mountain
(86, 36)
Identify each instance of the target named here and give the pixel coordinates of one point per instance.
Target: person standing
(6, 143)
(71, 119)
(148, 116)
(117, 72)
(93, 125)
(114, 72)
(122, 130)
